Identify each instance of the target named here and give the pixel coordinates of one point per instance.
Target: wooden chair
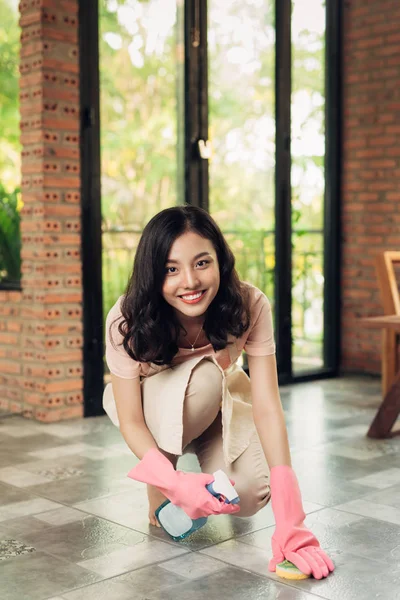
(389, 289)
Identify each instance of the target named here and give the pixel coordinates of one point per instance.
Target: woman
(172, 344)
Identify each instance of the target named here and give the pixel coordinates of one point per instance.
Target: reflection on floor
(73, 526)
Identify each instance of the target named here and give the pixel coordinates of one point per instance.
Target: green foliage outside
(142, 156)
(142, 117)
(10, 149)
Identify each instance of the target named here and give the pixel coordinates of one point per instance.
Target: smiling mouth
(194, 296)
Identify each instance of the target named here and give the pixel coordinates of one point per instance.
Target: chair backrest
(388, 283)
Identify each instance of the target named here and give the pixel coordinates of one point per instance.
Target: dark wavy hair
(149, 326)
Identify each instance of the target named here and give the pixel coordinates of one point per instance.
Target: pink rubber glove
(291, 539)
(187, 490)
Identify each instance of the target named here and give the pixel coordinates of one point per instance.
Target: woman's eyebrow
(195, 258)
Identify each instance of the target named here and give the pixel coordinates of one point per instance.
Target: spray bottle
(178, 524)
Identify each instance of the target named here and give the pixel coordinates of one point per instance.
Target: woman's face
(191, 276)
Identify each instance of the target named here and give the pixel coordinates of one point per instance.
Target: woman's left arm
(291, 539)
(267, 410)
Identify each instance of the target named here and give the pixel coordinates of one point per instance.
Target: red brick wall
(371, 168)
(41, 328)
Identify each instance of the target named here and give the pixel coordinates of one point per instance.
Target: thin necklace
(192, 349)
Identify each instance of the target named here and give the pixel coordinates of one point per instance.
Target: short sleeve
(118, 361)
(260, 340)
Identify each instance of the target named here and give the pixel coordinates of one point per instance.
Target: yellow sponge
(287, 570)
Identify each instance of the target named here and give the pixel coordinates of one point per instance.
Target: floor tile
(28, 507)
(388, 497)
(66, 495)
(145, 552)
(135, 585)
(18, 478)
(10, 548)
(65, 450)
(87, 538)
(80, 489)
(374, 510)
(242, 555)
(193, 565)
(235, 584)
(381, 480)
(37, 576)
(354, 579)
(61, 516)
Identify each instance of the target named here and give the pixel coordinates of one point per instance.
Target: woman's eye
(168, 269)
(205, 262)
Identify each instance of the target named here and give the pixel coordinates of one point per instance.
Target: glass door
(241, 96)
(227, 106)
(141, 46)
(308, 183)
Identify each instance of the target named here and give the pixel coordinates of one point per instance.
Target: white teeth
(193, 296)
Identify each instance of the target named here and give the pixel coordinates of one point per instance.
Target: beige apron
(167, 428)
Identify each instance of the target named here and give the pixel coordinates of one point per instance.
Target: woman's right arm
(128, 400)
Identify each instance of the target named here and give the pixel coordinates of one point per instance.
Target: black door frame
(91, 242)
(196, 181)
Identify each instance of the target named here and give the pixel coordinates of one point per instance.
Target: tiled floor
(73, 526)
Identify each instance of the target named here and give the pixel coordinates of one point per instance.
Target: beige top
(237, 419)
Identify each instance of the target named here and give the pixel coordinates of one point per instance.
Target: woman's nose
(190, 279)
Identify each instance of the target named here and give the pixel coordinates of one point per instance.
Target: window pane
(241, 49)
(141, 75)
(10, 148)
(308, 181)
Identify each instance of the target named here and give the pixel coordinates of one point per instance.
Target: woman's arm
(128, 400)
(267, 410)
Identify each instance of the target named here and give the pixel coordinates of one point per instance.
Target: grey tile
(313, 462)
(235, 584)
(361, 448)
(381, 480)
(99, 519)
(80, 489)
(10, 548)
(27, 507)
(242, 555)
(193, 565)
(22, 479)
(37, 576)
(354, 578)
(10, 458)
(94, 426)
(22, 526)
(375, 510)
(388, 497)
(127, 508)
(18, 427)
(85, 539)
(61, 516)
(135, 585)
(329, 491)
(31, 443)
(9, 494)
(64, 450)
(57, 473)
(128, 557)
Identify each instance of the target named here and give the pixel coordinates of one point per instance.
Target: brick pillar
(51, 304)
(371, 168)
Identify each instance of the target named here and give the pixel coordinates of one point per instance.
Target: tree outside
(10, 148)
(141, 66)
(142, 159)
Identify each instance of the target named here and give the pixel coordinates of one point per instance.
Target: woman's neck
(190, 323)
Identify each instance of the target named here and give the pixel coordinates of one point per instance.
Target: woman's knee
(206, 379)
(254, 494)
(202, 400)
